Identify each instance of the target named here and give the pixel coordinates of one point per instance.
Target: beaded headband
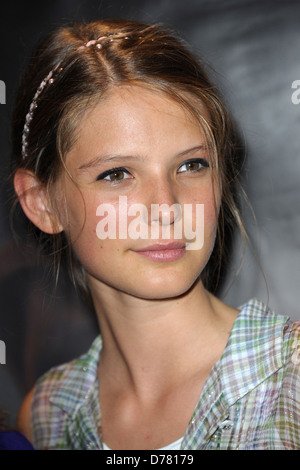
(50, 79)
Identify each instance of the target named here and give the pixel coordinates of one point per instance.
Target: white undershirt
(173, 446)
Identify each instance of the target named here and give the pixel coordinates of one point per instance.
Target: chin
(160, 290)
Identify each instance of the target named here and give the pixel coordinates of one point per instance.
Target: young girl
(124, 159)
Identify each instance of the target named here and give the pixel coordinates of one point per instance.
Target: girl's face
(143, 177)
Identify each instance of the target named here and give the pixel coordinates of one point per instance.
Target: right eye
(114, 175)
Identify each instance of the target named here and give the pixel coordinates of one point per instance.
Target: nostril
(166, 214)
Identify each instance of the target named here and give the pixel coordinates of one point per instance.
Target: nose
(164, 208)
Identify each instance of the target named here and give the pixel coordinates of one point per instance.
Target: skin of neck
(150, 346)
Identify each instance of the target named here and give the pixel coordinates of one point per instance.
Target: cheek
(204, 217)
(112, 220)
(97, 232)
(209, 198)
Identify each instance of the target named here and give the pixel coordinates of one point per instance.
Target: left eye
(114, 175)
(193, 165)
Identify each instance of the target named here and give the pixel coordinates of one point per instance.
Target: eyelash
(111, 172)
(204, 164)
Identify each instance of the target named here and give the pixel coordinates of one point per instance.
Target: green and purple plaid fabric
(250, 401)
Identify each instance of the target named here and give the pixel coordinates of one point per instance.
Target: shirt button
(226, 425)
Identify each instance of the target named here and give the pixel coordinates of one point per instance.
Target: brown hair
(145, 55)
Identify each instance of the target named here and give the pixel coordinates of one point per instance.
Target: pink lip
(163, 251)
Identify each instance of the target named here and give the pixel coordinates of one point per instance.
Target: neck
(151, 345)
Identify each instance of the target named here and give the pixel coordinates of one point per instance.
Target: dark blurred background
(254, 47)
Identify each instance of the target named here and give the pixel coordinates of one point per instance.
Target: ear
(35, 202)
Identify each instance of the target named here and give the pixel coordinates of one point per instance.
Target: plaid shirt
(250, 399)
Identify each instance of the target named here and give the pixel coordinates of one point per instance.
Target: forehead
(131, 118)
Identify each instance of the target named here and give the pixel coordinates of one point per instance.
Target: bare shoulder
(23, 419)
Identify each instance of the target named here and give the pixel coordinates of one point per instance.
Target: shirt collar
(253, 352)
(77, 381)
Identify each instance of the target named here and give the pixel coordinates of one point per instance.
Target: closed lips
(163, 247)
(163, 252)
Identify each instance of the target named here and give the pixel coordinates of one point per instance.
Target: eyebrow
(107, 159)
(100, 159)
(192, 150)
